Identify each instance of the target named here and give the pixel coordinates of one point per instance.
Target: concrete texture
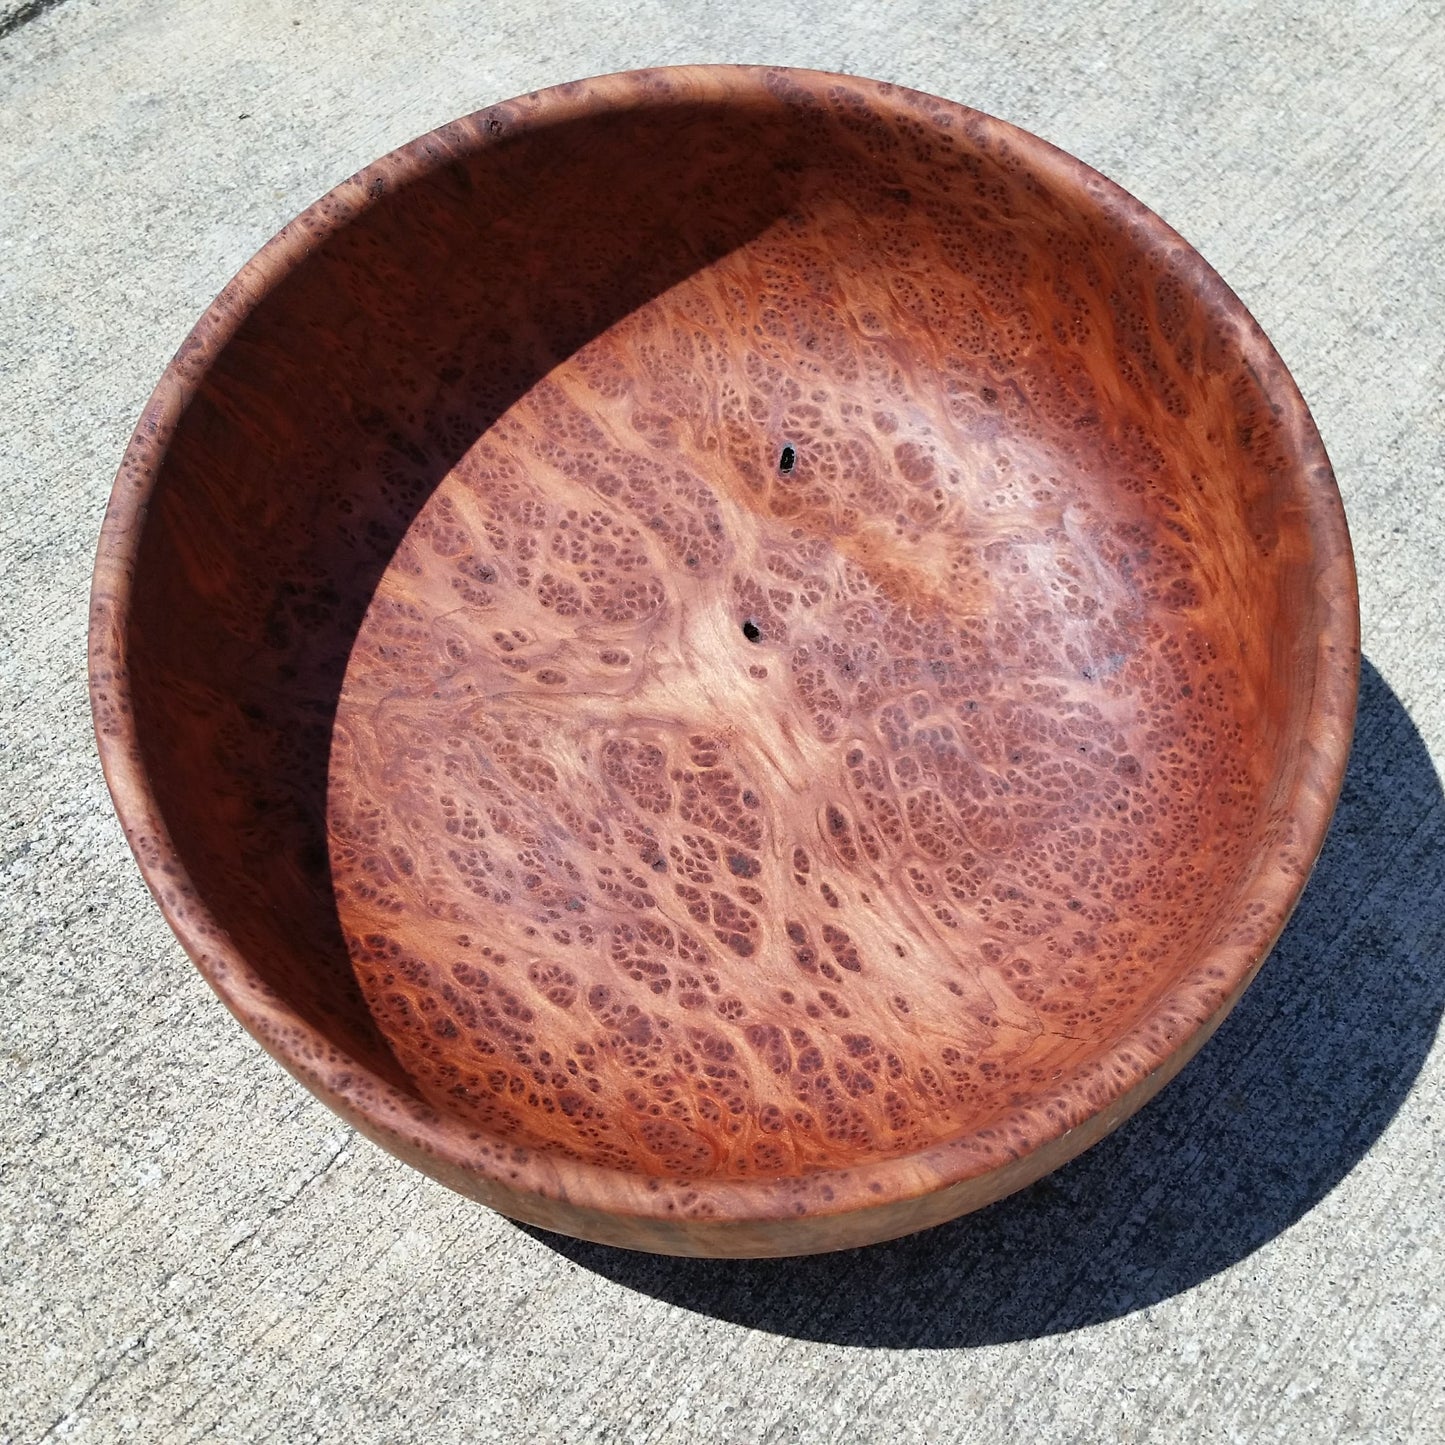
(192, 1248)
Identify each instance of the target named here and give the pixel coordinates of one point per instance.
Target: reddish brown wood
(729, 661)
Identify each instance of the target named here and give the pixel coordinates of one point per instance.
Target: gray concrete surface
(194, 1249)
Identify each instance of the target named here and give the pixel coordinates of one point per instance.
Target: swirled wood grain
(728, 660)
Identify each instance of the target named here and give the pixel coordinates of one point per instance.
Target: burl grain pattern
(730, 661)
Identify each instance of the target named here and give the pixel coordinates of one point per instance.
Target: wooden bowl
(728, 661)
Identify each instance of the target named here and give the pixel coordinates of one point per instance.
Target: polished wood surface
(729, 661)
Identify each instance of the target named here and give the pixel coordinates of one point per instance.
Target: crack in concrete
(127, 1356)
(288, 1201)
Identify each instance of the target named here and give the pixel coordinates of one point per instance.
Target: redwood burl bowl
(728, 661)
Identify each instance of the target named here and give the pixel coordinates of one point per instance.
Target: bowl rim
(890, 1195)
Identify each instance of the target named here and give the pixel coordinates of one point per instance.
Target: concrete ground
(193, 1248)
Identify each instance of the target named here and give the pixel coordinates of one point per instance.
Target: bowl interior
(729, 638)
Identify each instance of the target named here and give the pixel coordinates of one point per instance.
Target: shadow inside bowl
(1301, 1079)
(318, 431)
